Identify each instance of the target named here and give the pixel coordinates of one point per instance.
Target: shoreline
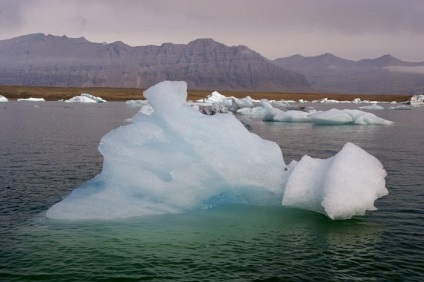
(12, 93)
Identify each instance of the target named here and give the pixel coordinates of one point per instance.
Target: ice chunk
(80, 99)
(417, 100)
(346, 116)
(85, 98)
(275, 114)
(341, 187)
(136, 103)
(401, 107)
(3, 99)
(31, 99)
(176, 159)
(372, 107)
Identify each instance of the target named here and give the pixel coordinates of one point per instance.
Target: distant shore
(123, 94)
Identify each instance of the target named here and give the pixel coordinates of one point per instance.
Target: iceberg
(340, 187)
(172, 158)
(176, 159)
(31, 100)
(3, 99)
(346, 116)
(85, 98)
(275, 114)
(417, 100)
(135, 103)
(372, 107)
(401, 107)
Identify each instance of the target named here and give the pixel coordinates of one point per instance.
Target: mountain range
(383, 75)
(48, 60)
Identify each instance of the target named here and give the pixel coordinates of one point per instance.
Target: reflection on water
(227, 242)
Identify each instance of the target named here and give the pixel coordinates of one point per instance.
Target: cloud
(11, 14)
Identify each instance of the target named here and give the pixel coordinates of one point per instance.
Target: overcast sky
(351, 29)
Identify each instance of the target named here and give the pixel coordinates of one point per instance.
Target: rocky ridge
(47, 60)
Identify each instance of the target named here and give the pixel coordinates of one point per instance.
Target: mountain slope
(48, 60)
(383, 75)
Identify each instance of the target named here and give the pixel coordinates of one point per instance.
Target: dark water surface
(48, 149)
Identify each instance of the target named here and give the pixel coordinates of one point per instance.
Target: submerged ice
(173, 158)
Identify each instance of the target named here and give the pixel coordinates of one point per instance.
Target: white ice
(31, 100)
(417, 100)
(334, 116)
(275, 114)
(136, 103)
(3, 99)
(372, 107)
(340, 187)
(176, 159)
(85, 98)
(172, 158)
(346, 116)
(401, 107)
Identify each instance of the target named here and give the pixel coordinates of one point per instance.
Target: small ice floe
(347, 116)
(401, 107)
(372, 107)
(136, 103)
(31, 100)
(85, 98)
(417, 100)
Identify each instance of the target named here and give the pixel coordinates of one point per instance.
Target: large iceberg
(172, 158)
(176, 159)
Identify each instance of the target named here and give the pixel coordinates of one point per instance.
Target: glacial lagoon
(48, 149)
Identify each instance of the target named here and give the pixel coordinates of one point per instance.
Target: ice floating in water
(401, 107)
(346, 116)
(417, 100)
(334, 116)
(176, 159)
(372, 107)
(274, 114)
(31, 100)
(86, 98)
(136, 103)
(173, 158)
(3, 99)
(340, 187)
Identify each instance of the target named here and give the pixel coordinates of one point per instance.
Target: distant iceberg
(31, 100)
(3, 99)
(331, 117)
(85, 98)
(346, 116)
(372, 107)
(171, 158)
(417, 100)
(401, 107)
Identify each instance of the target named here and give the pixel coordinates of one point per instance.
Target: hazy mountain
(39, 59)
(383, 75)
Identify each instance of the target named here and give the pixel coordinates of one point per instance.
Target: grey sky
(352, 29)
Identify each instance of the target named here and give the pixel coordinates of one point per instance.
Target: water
(48, 149)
